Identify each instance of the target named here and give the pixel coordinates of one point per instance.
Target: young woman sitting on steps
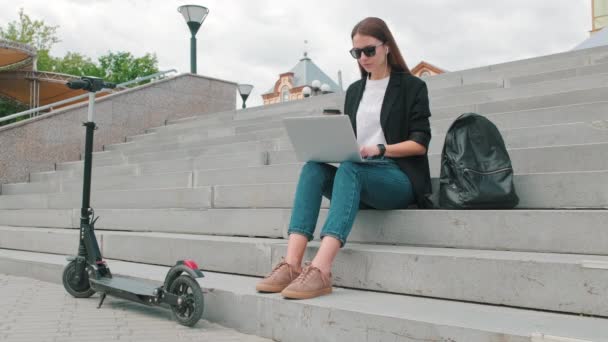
(389, 112)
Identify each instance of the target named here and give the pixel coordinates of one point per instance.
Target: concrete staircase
(219, 189)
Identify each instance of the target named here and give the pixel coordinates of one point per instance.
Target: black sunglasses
(369, 51)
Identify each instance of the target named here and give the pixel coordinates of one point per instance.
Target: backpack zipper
(489, 172)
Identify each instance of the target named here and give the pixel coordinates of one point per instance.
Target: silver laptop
(327, 138)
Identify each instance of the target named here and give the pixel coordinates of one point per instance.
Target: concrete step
(545, 231)
(260, 174)
(531, 66)
(218, 116)
(437, 91)
(140, 182)
(587, 189)
(523, 103)
(313, 104)
(567, 158)
(211, 161)
(101, 158)
(229, 127)
(527, 279)
(548, 87)
(586, 112)
(564, 74)
(346, 314)
(584, 189)
(76, 172)
(199, 152)
(558, 282)
(527, 118)
(208, 132)
(439, 129)
(504, 80)
(212, 133)
(584, 157)
(574, 132)
(189, 141)
(187, 198)
(539, 136)
(264, 222)
(255, 114)
(542, 136)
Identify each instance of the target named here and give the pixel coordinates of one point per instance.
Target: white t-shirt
(369, 130)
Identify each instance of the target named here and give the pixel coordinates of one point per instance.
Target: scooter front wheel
(80, 289)
(191, 309)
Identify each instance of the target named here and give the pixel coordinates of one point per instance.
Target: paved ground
(33, 310)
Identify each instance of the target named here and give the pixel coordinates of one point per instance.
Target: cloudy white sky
(253, 41)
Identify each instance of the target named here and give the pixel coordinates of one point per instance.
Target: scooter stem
(88, 161)
(88, 247)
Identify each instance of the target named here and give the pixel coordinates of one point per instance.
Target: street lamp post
(194, 15)
(245, 90)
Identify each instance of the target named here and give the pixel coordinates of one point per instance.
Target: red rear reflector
(191, 264)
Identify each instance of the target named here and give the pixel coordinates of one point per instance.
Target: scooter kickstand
(103, 296)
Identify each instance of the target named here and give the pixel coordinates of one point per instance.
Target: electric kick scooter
(88, 273)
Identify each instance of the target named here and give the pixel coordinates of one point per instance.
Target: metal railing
(78, 97)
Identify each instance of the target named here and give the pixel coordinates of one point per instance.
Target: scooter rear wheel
(80, 290)
(191, 309)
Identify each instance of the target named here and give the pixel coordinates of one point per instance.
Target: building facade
(599, 10)
(291, 84)
(424, 69)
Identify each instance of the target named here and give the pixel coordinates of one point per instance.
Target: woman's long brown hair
(376, 27)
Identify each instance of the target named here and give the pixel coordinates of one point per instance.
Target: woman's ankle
(325, 269)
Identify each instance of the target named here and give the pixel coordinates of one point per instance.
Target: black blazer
(404, 116)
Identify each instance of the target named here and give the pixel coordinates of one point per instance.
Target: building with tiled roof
(291, 84)
(425, 69)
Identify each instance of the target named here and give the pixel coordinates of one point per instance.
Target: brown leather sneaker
(278, 279)
(311, 283)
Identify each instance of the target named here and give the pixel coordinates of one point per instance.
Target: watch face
(382, 149)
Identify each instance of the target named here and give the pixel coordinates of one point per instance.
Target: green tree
(8, 106)
(76, 64)
(114, 67)
(37, 34)
(120, 67)
(32, 32)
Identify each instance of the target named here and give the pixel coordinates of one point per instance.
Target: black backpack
(476, 171)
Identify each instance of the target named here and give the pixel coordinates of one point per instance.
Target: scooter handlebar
(88, 83)
(77, 84)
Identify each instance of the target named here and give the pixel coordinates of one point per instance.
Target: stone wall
(37, 144)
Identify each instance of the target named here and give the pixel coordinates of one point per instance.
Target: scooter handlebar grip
(77, 84)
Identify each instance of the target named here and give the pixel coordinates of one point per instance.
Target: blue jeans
(350, 187)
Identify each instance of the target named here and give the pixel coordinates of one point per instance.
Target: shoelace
(277, 267)
(307, 270)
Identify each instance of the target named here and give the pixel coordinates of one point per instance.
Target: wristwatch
(382, 149)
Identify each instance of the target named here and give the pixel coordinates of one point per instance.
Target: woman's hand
(369, 151)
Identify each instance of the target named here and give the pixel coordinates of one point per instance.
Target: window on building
(425, 73)
(285, 94)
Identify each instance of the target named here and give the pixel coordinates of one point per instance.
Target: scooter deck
(117, 283)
